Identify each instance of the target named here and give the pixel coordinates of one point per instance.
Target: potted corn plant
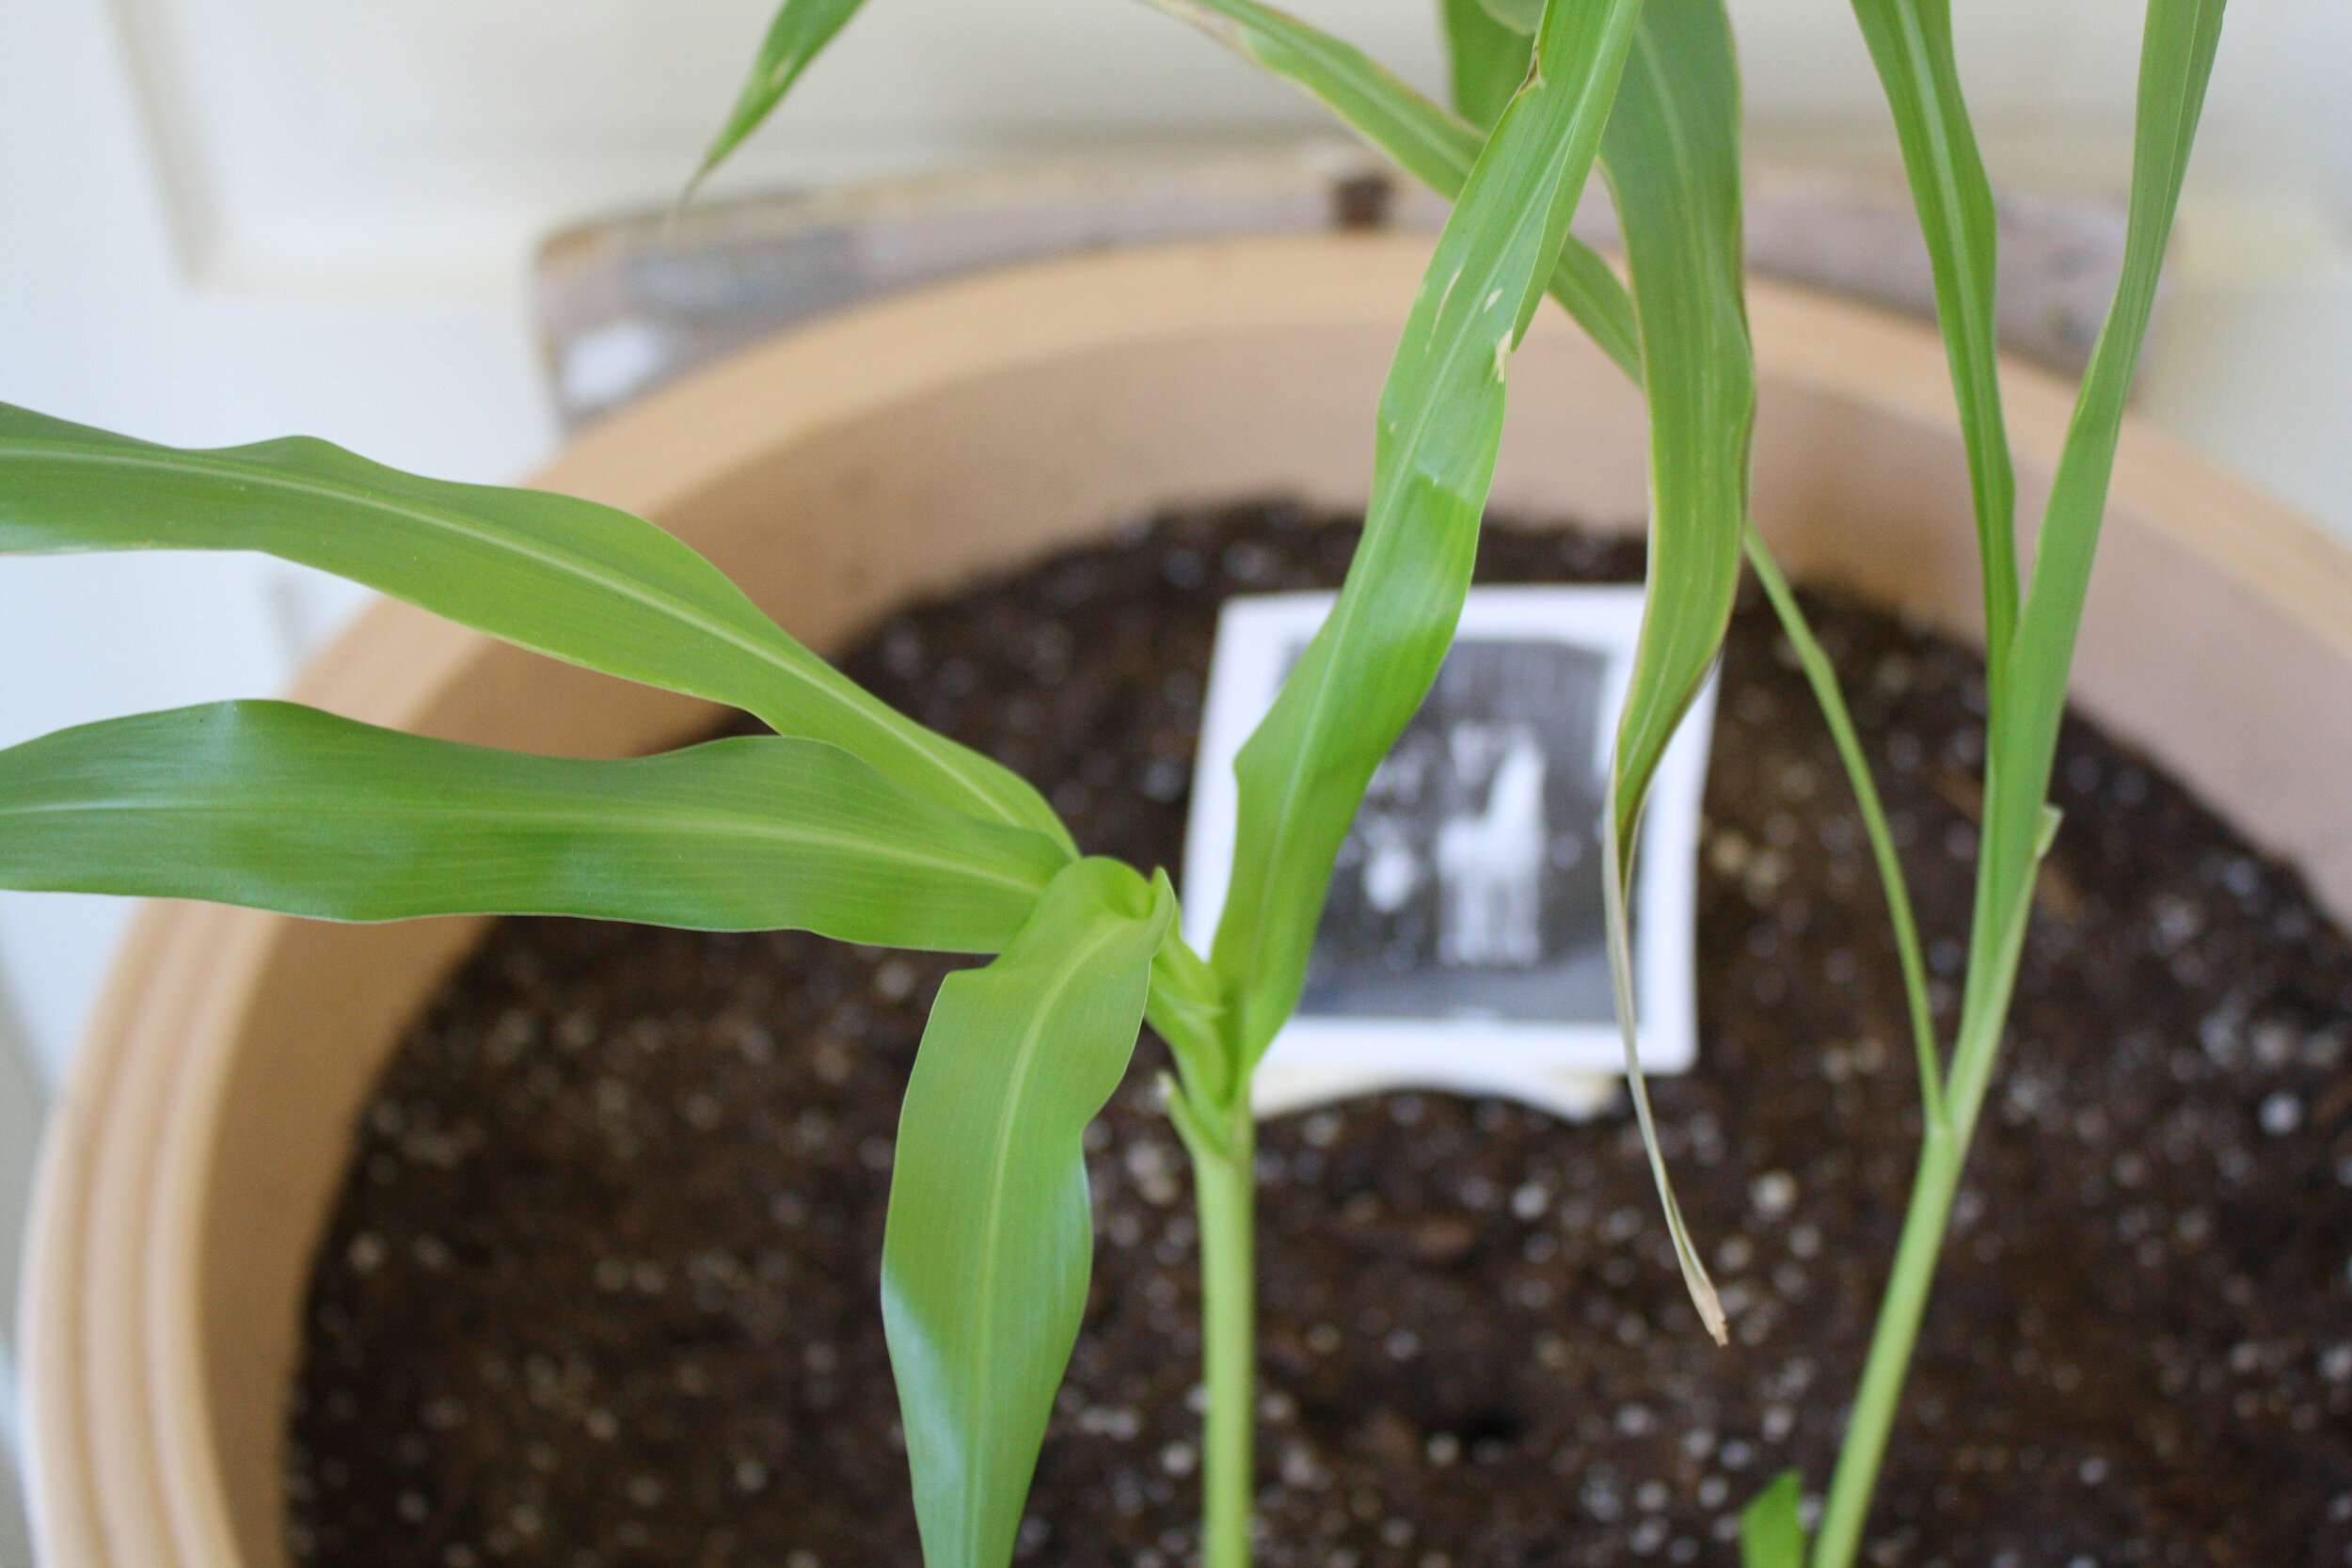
(855, 823)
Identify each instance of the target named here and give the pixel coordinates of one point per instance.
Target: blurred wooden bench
(629, 302)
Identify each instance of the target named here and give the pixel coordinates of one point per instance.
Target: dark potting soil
(600, 1290)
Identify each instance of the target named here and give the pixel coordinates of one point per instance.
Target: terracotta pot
(898, 450)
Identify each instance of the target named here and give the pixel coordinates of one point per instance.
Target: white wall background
(227, 219)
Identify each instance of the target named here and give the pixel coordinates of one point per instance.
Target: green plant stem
(1210, 1106)
(1832, 702)
(2028, 693)
(1875, 1401)
(1223, 1183)
(1942, 1155)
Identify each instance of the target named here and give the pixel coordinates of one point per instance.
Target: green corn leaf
(1771, 1533)
(1302, 773)
(797, 36)
(565, 577)
(2177, 50)
(1486, 59)
(283, 807)
(1434, 146)
(1910, 41)
(2176, 62)
(1673, 160)
(990, 1239)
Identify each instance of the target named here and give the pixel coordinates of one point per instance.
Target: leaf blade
(1303, 772)
(1772, 1533)
(571, 578)
(1902, 919)
(277, 806)
(2177, 52)
(1673, 159)
(797, 36)
(1911, 44)
(989, 1242)
(1486, 59)
(1672, 154)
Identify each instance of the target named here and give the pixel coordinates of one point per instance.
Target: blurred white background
(222, 220)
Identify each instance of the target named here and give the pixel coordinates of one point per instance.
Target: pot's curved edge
(2160, 483)
(90, 1516)
(111, 1153)
(97, 1485)
(239, 945)
(722, 418)
(59, 1483)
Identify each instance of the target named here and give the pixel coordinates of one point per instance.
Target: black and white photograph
(1462, 943)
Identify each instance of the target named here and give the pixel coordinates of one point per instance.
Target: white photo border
(1256, 634)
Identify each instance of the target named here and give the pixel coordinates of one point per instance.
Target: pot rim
(122, 1462)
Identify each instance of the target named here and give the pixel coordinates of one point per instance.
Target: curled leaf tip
(1710, 1305)
(1615, 877)
(1694, 1279)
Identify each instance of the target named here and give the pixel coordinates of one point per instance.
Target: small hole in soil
(1496, 1425)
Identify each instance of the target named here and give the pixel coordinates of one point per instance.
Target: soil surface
(600, 1290)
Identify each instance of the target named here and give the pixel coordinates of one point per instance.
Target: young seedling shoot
(856, 823)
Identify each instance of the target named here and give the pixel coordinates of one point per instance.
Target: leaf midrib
(722, 829)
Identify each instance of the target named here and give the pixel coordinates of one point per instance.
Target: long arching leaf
(282, 807)
(1489, 57)
(990, 1239)
(1434, 146)
(1673, 160)
(1303, 773)
(582, 582)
